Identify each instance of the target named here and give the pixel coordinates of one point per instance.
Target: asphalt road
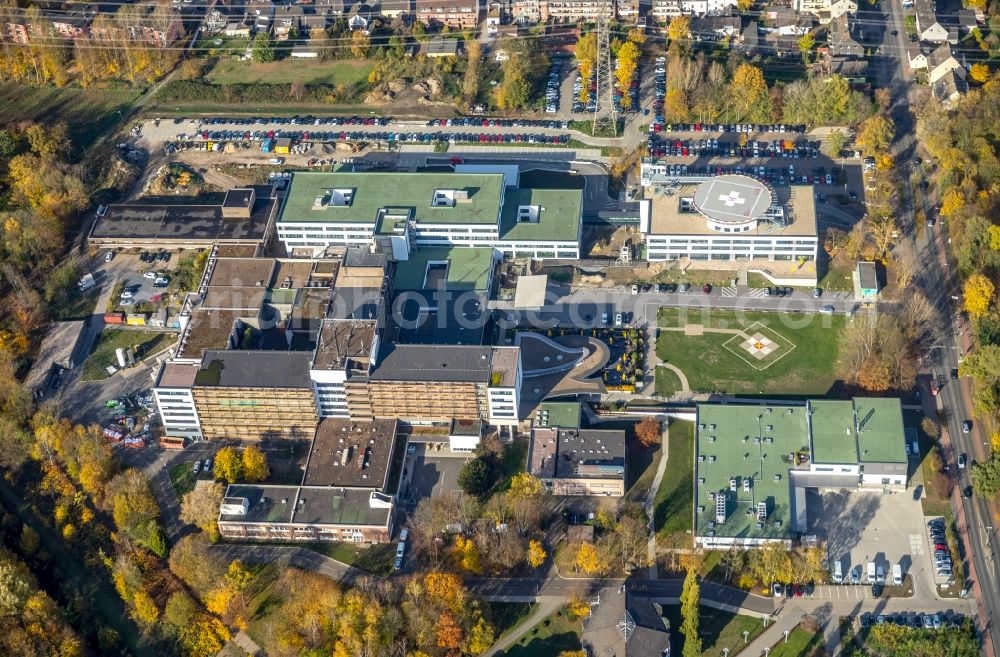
(938, 282)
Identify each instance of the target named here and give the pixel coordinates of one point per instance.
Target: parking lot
(864, 526)
(430, 472)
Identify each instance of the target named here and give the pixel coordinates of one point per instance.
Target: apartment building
(571, 11)
(663, 10)
(825, 10)
(455, 14)
(397, 213)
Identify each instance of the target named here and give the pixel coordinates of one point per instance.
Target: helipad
(732, 199)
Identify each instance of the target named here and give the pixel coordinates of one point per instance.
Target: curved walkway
(681, 376)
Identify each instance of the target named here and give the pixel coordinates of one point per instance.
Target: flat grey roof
(591, 453)
(255, 369)
(457, 363)
(338, 506)
(732, 199)
(57, 348)
(351, 454)
(343, 340)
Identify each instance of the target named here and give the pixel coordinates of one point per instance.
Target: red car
(457, 160)
(707, 289)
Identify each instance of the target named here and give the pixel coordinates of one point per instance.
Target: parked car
(966, 426)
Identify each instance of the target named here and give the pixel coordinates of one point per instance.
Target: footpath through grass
(143, 343)
(673, 508)
(803, 364)
(507, 616)
(667, 383)
(718, 630)
(552, 635)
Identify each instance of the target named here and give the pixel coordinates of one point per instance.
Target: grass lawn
(838, 276)
(81, 306)
(801, 643)
(376, 559)
(506, 616)
(89, 113)
(548, 638)
(514, 460)
(718, 630)
(640, 462)
(346, 72)
(673, 508)
(667, 383)
(143, 343)
(712, 366)
(183, 478)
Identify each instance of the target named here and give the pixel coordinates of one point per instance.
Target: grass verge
(807, 369)
(801, 643)
(143, 343)
(346, 72)
(507, 616)
(667, 383)
(673, 506)
(718, 629)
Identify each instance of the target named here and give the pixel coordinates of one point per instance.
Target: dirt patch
(176, 179)
(602, 241)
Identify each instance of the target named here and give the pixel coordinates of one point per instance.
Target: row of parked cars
(633, 91)
(552, 89)
(792, 590)
(591, 104)
(295, 120)
(660, 92)
(721, 128)
(669, 288)
(712, 147)
(475, 121)
(942, 555)
(395, 137)
(914, 621)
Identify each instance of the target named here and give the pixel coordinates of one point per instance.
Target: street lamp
(746, 635)
(786, 635)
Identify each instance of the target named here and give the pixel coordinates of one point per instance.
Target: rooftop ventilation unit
(761, 511)
(528, 214)
(720, 509)
(732, 484)
(747, 482)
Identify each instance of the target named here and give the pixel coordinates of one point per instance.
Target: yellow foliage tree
(883, 162)
(144, 608)
(467, 555)
(680, 28)
(536, 553)
(218, 600)
(255, 466)
(977, 295)
(952, 202)
(524, 485)
(577, 607)
(979, 72)
(446, 590)
(479, 637)
(587, 559)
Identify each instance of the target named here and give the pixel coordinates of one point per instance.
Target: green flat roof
(469, 268)
(400, 191)
(559, 218)
(880, 433)
(565, 415)
(741, 449)
(833, 440)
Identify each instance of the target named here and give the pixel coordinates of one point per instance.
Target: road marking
(729, 291)
(756, 292)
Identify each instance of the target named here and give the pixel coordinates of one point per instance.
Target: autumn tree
(749, 93)
(690, 599)
(586, 57)
(628, 60)
(806, 43)
(228, 465)
(679, 28)
(875, 134)
(648, 431)
(979, 72)
(588, 560)
(577, 607)
(255, 466)
(536, 553)
(986, 477)
(977, 295)
(200, 507)
(360, 44)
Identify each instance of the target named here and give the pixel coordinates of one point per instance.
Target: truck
(897, 574)
(114, 318)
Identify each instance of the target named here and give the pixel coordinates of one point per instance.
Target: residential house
(825, 10)
(621, 624)
(314, 21)
(916, 57)
(841, 41)
(572, 11)
(154, 26)
(456, 14)
(15, 30)
(237, 29)
(787, 22)
(950, 88)
(666, 9)
(751, 39)
(628, 9)
(940, 62)
(928, 26)
(218, 15)
(394, 8)
(527, 12)
(967, 20)
(855, 71)
(74, 23)
(439, 47)
(259, 15)
(710, 28)
(287, 21)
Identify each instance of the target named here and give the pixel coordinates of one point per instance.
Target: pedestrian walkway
(650, 504)
(545, 607)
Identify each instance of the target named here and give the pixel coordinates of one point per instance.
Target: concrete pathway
(650, 505)
(546, 606)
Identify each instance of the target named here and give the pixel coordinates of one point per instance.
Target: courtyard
(751, 352)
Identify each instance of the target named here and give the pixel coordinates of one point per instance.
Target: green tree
(255, 466)
(690, 599)
(806, 43)
(986, 477)
(836, 140)
(262, 49)
(476, 477)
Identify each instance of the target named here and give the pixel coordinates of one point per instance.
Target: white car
(126, 294)
(635, 289)
(276, 160)
(197, 467)
(618, 319)
(150, 275)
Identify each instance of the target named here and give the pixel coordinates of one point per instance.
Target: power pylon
(605, 114)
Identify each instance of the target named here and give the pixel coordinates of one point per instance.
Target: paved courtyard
(862, 526)
(429, 473)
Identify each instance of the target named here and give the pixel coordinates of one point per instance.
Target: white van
(871, 572)
(838, 573)
(897, 574)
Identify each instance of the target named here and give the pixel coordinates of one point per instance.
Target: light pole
(767, 651)
(786, 635)
(725, 652)
(746, 635)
